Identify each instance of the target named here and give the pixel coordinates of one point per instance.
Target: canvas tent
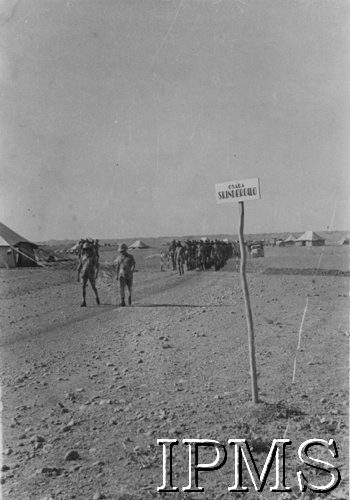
(74, 248)
(15, 251)
(290, 240)
(138, 244)
(310, 239)
(7, 255)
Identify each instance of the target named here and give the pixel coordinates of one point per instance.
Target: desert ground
(86, 392)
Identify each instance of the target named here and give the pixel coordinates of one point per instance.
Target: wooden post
(248, 310)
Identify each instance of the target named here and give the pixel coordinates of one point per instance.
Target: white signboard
(228, 192)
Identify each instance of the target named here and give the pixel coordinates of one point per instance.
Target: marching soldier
(125, 267)
(88, 270)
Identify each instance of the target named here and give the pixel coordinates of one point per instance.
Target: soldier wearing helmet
(125, 266)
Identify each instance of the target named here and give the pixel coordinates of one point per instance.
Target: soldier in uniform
(162, 260)
(125, 266)
(88, 269)
(180, 257)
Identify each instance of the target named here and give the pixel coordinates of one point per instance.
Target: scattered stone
(99, 463)
(5, 468)
(98, 496)
(8, 451)
(47, 448)
(72, 455)
(68, 426)
(50, 471)
(37, 439)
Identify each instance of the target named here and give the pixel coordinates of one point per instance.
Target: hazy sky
(119, 116)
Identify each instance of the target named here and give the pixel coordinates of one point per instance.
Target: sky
(118, 117)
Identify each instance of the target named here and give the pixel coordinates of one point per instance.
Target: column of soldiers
(201, 255)
(190, 255)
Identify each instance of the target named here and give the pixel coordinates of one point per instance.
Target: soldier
(180, 257)
(200, 256)
(88, 268)
(172, 249)
(162, 260)
(125, 266)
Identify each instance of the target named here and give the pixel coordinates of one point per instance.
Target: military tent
(138, 244)
(290, 240)
(310, 239)
(7, 255)
(15, 251)
(74, 248)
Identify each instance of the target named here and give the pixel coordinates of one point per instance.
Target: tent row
(138, 244)
(310, 238)
(307, 239)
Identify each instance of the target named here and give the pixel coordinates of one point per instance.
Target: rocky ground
(86, 393)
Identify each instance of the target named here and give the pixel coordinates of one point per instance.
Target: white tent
(74, 248)
(309, 238)
(16, 251)
(7, 256)
(290, 240)
(138, 244)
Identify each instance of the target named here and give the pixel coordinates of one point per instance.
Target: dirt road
(107, 382)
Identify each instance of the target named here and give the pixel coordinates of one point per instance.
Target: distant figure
(125, 267)
(88, 269)
(169, 261)
(180, 257)
(97, 251)
(171, 251)
(162, 260)
(200, 256)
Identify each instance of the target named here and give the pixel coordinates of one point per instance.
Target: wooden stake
(248, 310)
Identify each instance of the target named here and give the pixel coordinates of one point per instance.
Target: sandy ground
(107, 382)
